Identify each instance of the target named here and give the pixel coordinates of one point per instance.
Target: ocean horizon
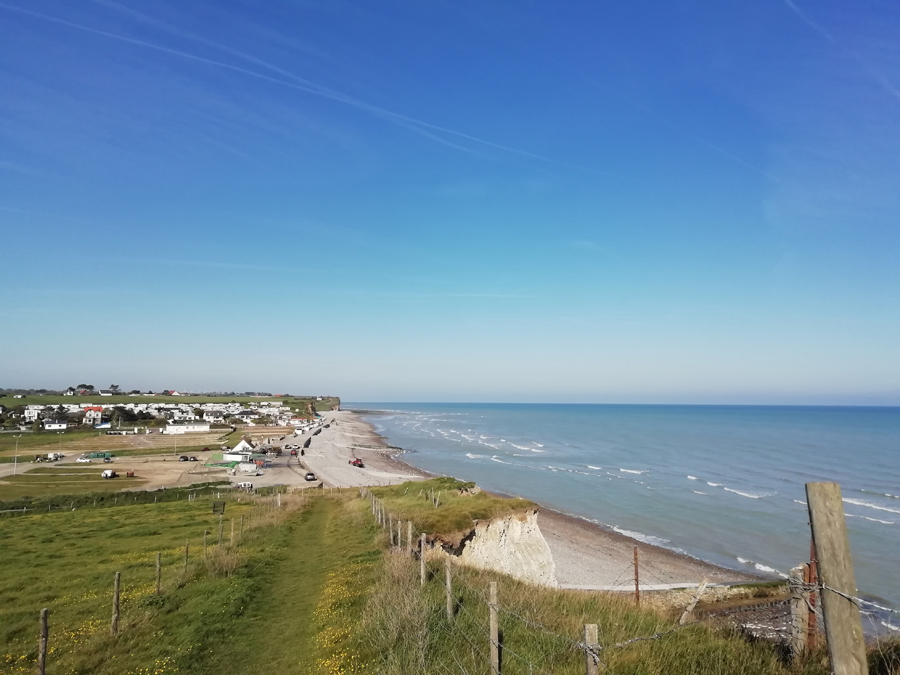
(722, 483)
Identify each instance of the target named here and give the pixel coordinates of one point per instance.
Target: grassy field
(39, 482)
(74, 443)
(278, 602)
(312, 588)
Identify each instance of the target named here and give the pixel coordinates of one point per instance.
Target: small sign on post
(218, 507)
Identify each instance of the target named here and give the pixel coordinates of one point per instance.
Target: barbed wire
(595, 651)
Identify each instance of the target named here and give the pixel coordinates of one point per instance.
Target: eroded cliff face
(513, 545)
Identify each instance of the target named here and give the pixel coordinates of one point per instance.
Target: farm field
(66, 480)
(232, 610)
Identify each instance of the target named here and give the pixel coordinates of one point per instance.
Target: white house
(243, 446)
(105, 392)
(93, 415)
(187, 428)
(54, 426)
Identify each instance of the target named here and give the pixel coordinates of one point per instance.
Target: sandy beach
(587, 556)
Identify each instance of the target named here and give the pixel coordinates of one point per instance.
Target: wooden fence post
(187, 546)
(231, 542)
(843, 625)
(221, 526)
(390, 531)
(448, 583)
(422, 559)
(688, 611)
(114, 626)
(42, 643)
(591, 650)
(205, 532)
(637, 579)
(495, 630)
(241, 531)
(158, 573)
(799, 609)
(409, 537)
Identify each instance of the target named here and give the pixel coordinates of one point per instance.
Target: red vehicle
(293, 453)
(357, 463)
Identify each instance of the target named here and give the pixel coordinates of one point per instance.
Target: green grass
(41, 439)
(276, 604)
(454, 514)
(406, 630)
(311, 590)
(61, 480)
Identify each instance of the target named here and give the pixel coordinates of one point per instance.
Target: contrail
(882, 80)
(299, 83)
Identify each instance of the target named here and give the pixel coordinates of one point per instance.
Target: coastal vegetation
(310, 586)
(446, 506)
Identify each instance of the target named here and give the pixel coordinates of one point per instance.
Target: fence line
(795, 622)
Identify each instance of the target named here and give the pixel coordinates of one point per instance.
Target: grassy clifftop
(312, 587)
(446, 506)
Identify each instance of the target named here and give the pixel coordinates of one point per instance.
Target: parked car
(293, 453)
(244, 486)
(205, 450)
(109, 473)
(83, 460)
(310, 476)
(107, 460)
(192, 459)
(183, 458)
(357, 463)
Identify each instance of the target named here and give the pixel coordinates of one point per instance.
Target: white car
(83, 460)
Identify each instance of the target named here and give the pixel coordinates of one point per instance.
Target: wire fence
(780, 620)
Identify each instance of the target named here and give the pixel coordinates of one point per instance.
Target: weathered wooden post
(205, 532)
(843, 625)
(221, 526)
(241, 531)
(158, 573)
(422, 559)
(409, 538)
(799, 609)
(591, 650)
(390, 531)
(187, 546)
(114, 626)
(637, 579)
(231, 541)
(448, 584)
(686, 615)
(493, 607)
(42, 643)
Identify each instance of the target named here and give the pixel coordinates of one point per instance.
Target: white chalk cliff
(513, 545)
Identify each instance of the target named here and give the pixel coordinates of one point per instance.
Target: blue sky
(518, 201)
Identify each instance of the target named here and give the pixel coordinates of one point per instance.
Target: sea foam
(860, 502)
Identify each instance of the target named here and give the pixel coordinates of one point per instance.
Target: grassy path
(277, 632)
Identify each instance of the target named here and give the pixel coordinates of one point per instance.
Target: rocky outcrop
(512, 545)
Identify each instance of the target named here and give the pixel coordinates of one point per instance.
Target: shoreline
(588, 555)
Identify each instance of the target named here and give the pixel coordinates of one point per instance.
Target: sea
(721, 483)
